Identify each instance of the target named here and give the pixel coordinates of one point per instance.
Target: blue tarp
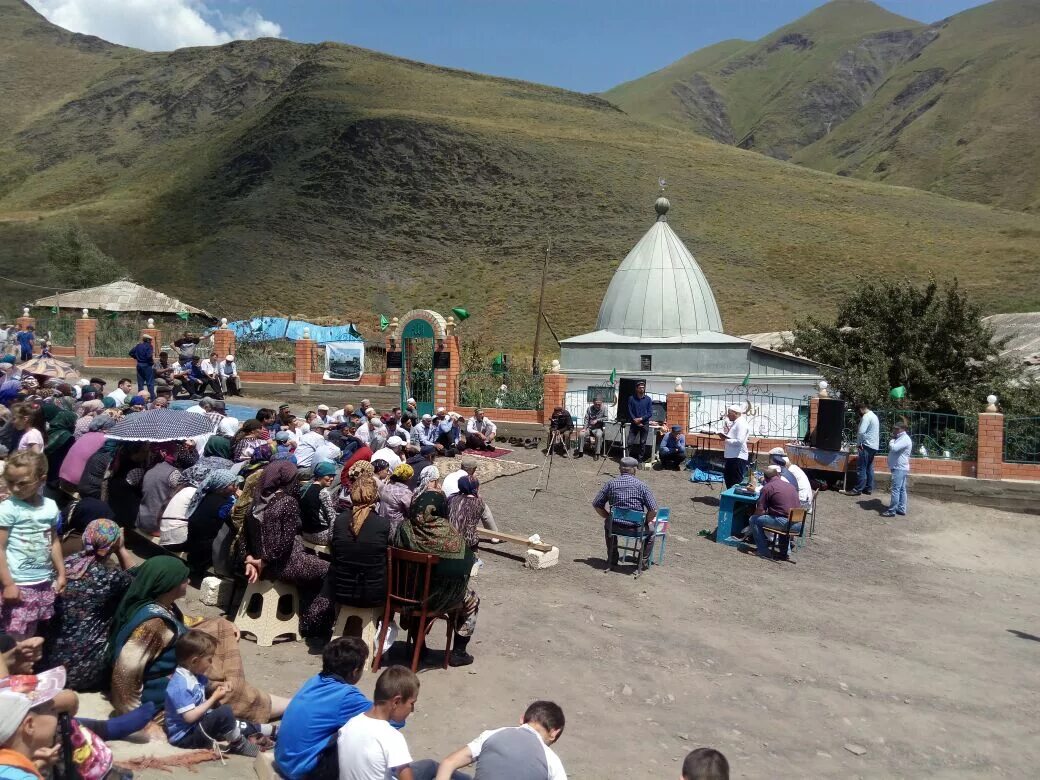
(271, 328)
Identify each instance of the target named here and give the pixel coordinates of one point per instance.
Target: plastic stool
(269, 623)
(369, 618)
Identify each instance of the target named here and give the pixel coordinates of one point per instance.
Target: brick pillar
(156, 339)
(677, 410)
(451, 374)
(554, 389)
(24, 322)
(224, 342)
(991, 446)
(86, 329)
(304, 361)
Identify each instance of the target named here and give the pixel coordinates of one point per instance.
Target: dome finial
(661, 206)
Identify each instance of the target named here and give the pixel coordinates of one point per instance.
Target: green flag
(54, 309)
(747, 378)
(613, 375)
(113, 315)
(498, 364)
(384, 323)
(897, 392)
(183, 315)
(461, 313)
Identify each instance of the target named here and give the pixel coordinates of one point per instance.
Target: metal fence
(57, 329)
(934, 434)
(577, 402)
(269, 356)
(1022, 439)
(768, 416)
(512, 390)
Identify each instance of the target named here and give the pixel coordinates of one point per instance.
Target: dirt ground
(915, 640)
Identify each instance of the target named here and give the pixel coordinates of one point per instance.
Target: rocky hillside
(855, 90)
(325, 180)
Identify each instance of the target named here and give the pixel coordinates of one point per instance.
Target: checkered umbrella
(49, 367)
(160, 425)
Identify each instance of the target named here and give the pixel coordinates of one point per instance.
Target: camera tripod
(555, 438)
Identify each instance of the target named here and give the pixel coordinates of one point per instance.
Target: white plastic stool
(369, 618)
(269, 622)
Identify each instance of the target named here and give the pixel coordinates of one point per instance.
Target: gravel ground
(890, 648)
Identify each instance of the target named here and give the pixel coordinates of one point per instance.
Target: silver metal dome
(659, 291)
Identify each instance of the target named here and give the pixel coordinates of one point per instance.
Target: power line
(39, 286)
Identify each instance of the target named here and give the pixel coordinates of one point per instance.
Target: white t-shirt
(339, 416)
(370, 749)
(30, 437)
(804, 486)
(736, 438)
(556, 770)
(392, 459)
(450, 485)
(118, 396)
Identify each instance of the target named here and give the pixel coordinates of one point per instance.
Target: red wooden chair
(408, 576)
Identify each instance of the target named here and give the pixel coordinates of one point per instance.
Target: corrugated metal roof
(123, 295)
(659, 291)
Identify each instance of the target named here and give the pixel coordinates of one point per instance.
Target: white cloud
(156, 25)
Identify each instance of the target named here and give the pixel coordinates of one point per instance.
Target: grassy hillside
(855, 90)
(326, 180)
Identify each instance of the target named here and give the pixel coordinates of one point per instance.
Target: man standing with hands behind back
(640, 413)
(735, 434)
(868, 439)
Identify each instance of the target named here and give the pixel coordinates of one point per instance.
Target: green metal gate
(417, 346)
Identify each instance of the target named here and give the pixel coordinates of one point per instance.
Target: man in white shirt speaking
(735, 434)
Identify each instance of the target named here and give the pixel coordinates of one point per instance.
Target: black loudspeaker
(626, 388)
(830, 419)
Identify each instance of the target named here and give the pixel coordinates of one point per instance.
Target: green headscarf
(154, 577)
(109, 403)
(219, 447)
(60, 428)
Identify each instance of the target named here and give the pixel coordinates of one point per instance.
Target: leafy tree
(74, 260)
(930, 340)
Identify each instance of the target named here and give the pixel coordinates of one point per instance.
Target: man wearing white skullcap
(735, 434)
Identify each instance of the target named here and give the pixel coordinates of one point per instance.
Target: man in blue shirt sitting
(319, 709)
(640, 414)
(672, 451)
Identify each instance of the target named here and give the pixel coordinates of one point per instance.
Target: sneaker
(854, 492)
(459, 659)
(889, 513)
(243, 747)
(901, 514)
(868, 492)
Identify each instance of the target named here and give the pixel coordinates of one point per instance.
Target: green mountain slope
(960, 119)
(326, 180)
(854, 90)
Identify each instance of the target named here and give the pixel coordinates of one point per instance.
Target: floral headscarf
(98, 538)
(215, 480)
(426, 476)
(404, 472)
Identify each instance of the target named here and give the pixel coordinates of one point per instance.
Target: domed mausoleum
(659, 321)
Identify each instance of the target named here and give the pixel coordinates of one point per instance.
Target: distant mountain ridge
(324, 180)
(855, 90)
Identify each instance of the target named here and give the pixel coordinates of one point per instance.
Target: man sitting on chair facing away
(778, 497)
(627, 492)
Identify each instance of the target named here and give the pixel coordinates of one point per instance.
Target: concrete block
(535, 559)
(264, 766)
(213, 591)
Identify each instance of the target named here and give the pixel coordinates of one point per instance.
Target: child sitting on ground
(368, 745)
(514, 751)
(322, 706)
(32, 569)
(194, 720)
(705, 764)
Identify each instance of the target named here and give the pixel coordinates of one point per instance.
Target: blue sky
(585, 45)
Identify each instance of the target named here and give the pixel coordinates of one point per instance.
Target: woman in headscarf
(360, 537)
(145, 629)
(430, 532)
(173, 522)
(121, 486)
(395, 497)
(156, 486)
(219, 447)
(317, 511)
(88, 410)
(208, 510)
(78, 634)
(354, 472)
(60, 424)
(84, 447)
(465, 510)
(275, 552)
(429, 493)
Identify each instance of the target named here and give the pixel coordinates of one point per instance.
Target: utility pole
(541, 303)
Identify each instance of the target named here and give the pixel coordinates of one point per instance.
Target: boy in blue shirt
(195, 720)
(319, 710)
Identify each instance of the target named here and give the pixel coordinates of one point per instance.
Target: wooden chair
(408, 576)
(794, 517)
(812, 512)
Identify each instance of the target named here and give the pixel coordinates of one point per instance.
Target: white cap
(441, 410)
(395, 441)
(777, 451)
(427, 417)
(16, 700)
(230, 358)
(736, 408)
(410, 401)
(322, 408)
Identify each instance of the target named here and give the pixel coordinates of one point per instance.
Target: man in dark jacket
(640, 415)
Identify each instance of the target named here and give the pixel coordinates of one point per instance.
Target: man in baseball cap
(29, 708)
